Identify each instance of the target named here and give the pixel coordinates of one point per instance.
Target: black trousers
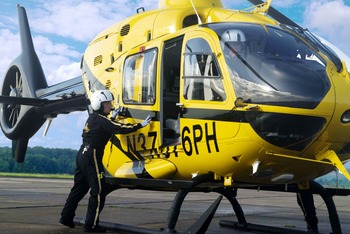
(89, 174)
(306, 202)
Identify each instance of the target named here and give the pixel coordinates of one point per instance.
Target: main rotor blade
(276, 14)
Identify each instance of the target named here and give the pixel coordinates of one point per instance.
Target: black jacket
(99, 129)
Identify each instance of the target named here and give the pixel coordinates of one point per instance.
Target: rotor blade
(23, 101)
(276, 14)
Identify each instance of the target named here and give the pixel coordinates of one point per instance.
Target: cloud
(64, 72)
(64, 132)
(4, 141)
(55, 57)
(330, 19)
(59, 61)
(9, 49)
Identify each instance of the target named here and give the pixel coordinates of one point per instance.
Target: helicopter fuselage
(274, 111)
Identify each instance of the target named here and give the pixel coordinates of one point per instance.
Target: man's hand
(115, 113)
(146, 121)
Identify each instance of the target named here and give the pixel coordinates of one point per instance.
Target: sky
(62, 29)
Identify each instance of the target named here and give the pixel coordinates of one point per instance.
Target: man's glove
(146, 121)
(115, 113)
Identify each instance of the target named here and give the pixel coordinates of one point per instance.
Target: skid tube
(315, 188)
(183, 187)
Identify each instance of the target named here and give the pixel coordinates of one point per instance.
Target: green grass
(31, 175)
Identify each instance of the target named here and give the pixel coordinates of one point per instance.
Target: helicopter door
(202, 96)
(170, 112)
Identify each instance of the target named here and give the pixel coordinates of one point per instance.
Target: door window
(139, 78)
(202, 79)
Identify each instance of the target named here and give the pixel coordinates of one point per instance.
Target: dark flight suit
(306, 202)
(89, 173)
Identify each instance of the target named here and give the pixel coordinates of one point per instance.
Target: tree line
(334, 180)
(39, 160)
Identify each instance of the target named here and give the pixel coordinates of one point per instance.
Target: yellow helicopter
(238, 99)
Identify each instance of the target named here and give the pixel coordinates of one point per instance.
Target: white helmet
(99, 97)
(233, 39)
(233, 35)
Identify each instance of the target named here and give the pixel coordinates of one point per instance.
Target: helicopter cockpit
(272, 65)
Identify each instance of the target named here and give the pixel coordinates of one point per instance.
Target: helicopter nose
(289, 131)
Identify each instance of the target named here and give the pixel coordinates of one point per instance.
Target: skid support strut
(231, 194)
(316, 188)
(175, 210)
(200, 226)
(205, 219)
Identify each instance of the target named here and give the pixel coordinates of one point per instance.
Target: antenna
(194, 8)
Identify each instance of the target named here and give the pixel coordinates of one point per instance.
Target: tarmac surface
(32, 205)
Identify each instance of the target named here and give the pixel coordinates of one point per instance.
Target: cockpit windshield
(271, 65)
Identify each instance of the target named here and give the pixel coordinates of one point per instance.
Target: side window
(139, 78)
(203, 80)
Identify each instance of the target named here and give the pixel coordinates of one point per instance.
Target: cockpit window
(271, 65)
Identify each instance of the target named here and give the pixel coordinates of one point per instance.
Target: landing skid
(259, 228)
(119, 227)
(315, 188)
(202, 224)
(183, 188)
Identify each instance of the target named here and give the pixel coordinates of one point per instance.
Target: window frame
(140, 94)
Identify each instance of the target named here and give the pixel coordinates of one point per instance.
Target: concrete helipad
(30, 205)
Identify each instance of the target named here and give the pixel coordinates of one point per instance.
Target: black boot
(68, 223)
(312, 228)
